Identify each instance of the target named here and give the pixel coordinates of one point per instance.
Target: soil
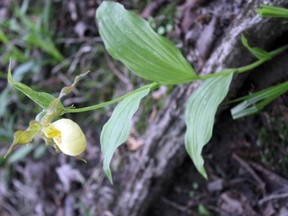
(242, 177)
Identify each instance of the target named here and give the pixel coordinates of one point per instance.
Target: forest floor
(246, 159)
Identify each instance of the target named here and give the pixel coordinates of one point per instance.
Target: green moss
(273, 139)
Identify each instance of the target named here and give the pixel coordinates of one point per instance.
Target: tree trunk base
(163, 153)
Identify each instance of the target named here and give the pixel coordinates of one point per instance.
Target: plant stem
(98, 106)
(247, 67)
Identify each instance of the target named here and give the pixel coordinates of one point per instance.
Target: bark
(164, 151)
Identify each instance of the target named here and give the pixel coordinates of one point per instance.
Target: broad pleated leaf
(43, 99)
(130, 39)
(199, 116)
(117, 128)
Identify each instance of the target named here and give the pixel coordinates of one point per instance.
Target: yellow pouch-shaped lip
(68, 136)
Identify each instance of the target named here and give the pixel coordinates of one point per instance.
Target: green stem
(98, 106)
(278, 51)
(247, 67)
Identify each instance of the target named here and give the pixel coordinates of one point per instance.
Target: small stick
(272, 197)
(118, 73)
(176, 205)
(245, 165)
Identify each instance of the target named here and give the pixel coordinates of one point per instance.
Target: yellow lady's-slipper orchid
(68, 136)
(64, 135)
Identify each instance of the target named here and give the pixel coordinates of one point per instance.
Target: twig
(270, 176)
(115, 70)
(245, 165)
(272, 197)
(10, 209)
(176, 205)
(79, 40)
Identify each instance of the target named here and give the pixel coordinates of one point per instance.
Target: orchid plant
(129, 39)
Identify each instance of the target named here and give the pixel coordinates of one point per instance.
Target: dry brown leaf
(134, 144)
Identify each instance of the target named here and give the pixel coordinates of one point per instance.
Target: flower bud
(71, 140)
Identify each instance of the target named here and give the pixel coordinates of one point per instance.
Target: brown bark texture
(164, 152)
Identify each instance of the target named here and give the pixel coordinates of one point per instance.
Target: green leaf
(46, 44)
(257, 52)
(16, 53)
(117, 128)
(199, 116)
(130, 39)
(5, 98)
(255, 102)
(39, 152)
(36, 35)
(43, 99)
(20, 71)
(272, 11)
(20, 154)
(203, 211)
